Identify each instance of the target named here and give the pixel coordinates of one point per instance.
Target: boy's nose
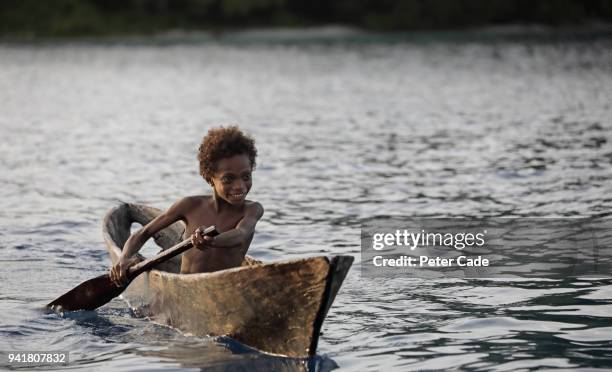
(240, 186)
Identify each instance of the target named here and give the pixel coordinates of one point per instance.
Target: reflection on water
(345, 132)
(227, 355)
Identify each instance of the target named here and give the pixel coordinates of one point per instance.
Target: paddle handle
(167, 254)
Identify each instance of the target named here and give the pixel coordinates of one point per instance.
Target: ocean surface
(348, 127)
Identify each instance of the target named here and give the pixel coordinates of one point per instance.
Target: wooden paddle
(96, 292)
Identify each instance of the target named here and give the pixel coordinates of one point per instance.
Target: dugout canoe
(275, 307)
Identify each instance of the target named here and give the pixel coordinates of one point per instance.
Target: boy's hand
(118, 273)
(201, 241)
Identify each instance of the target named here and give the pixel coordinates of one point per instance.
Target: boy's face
(232, 180)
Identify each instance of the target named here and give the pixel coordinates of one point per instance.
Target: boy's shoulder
(194, 201)
(253, 208)
(189, 203)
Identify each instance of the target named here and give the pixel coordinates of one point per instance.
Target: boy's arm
(241, 235)
(118, 272)
(173, 214)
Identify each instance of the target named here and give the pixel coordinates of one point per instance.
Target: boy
(227, 159)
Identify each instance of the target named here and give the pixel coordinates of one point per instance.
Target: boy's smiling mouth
(237, 196)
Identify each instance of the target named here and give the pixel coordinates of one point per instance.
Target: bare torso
(202, 213)
(227, 209)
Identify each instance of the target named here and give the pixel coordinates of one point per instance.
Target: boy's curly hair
(222, 143)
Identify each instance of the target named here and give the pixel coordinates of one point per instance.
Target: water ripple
(345, 133)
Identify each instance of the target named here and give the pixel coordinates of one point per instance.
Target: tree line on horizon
(64, 18)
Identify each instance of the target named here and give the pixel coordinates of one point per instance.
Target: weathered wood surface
(274, 307)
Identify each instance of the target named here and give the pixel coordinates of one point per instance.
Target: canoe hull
(276, 307)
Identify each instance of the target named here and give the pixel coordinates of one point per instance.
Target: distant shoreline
(69, 19)
(335, 33)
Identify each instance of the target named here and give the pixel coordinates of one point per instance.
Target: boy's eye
(246, 177)
(226, 179)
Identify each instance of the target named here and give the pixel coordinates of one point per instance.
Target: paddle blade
(88, 295)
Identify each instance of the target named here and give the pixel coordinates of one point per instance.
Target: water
(346, 131)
